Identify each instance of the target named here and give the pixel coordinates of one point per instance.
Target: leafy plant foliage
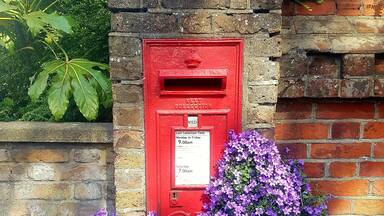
(32, 35)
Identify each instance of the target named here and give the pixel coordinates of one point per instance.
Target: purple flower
(253, 180)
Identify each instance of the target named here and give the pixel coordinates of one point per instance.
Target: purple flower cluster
(253, 180)
(103, 212)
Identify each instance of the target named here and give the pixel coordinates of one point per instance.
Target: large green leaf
(81, 77)
(40, 83)
(85, 97)
(88, 67)
(6, 7)
(58, 95)
(38, 20)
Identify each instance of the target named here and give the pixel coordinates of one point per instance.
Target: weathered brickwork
(341, 143)
(70, 176)
(257, 22)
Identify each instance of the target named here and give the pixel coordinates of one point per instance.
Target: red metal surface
(187, 78)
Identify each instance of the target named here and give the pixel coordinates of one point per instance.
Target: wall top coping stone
(49, 132)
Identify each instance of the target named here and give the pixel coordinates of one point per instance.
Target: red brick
(340, 188)
(373, 7)
(324, 66)
(371, 168)
(369, 207)
(345, 110)
(314, 170)
(293, 150)
(379, 66)
(342, 169)
(288, 8)
(295, 110)
(378, 151)
(356, 88)
(378, 87)
(381, 110)
(378, 187)
(321, 88)
(348, 7)
(345, 130)
(340, 150)
(374, 130)
(292, 131)
(339, 206)
(328, 7)
(358, 64)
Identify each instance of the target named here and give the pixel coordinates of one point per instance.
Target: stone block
(126, 68)
(37, 207)
(356, 88)
(4, 155)
(127, 93)
(358, 44)
(144, 22)
(263, 47)
(88, 191)
(196, 4)
(12, 172)
(40, 155)
(83, 172)
(5, 190)
(129, 139)
(129, 179)
(130, 199)
(266, 4)
(320, 88)
(127, 4)
(124, 46)
(291, 88)
(196, 23)
(247, 23)
(128, 116)
(358, 64)
(40, 172)
(54, 191)
(363, 24)
(88, 155)
(322, 25)
(238, 4)
(261, 69)
(260, 114)
(262, 94)
(324, 66)
(293, 64)
(308, 42)
(130, 158)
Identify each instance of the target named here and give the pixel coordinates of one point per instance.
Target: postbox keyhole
(174, 195)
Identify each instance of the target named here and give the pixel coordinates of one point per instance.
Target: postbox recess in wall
(193, 81)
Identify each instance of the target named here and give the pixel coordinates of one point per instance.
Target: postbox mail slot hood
(193, 82)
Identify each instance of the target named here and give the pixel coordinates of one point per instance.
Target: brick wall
(337, 7)
(55, 169)
(341, 142)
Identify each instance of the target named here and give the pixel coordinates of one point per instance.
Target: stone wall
(55, 168)
(258, 22)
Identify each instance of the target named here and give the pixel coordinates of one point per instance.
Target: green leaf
(88, 67)
(58, 95)
(40, 83)
(38, 20)
(85, 96)
(6, 7)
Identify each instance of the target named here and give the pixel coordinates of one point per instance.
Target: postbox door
(188, 156)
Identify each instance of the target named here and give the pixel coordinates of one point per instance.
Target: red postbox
(192, 92)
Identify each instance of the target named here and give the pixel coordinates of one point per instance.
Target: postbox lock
(193, 60)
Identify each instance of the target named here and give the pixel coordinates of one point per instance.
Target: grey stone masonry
(257, 22)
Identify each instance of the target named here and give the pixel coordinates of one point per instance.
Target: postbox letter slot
(205, 81)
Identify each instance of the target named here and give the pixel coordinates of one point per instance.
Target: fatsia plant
(64, 77)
